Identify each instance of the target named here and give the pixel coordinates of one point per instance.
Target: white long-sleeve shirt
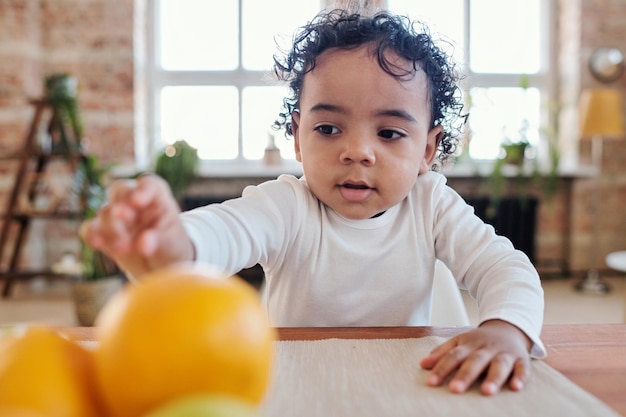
(325, 270)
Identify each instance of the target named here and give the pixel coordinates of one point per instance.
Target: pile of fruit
(180, 343)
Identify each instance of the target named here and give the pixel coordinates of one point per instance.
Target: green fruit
(205, 406)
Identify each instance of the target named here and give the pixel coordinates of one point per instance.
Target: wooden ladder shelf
(32, 160)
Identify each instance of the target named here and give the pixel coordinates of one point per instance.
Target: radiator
(514, 218)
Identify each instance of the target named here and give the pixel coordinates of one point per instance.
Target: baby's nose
(358, 150)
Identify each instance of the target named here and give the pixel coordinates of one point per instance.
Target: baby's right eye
(327, 130)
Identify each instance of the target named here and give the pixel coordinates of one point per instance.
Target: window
(209, 78)
(207, 81)
(503, 48)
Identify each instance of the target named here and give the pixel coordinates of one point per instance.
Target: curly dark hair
(386, 32)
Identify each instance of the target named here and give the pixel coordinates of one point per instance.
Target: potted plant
(514, 152)
(60, 91)
(513, 158)
(513, 155)
(100, 277)
(177, 165)
(96, 277)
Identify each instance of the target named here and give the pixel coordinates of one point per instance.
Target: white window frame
(149, 79)
(545, 80)
(155, 78)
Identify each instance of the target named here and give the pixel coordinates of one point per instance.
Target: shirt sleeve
(500, 278)
(242, 232)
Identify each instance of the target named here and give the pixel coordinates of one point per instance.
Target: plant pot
(514, 153)
(61, 87)
(90, 296)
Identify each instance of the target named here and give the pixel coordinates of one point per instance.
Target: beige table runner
(347, 377)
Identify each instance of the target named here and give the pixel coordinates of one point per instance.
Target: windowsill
(258, 169)
(249, 169)
(227, 169)
(484, 168)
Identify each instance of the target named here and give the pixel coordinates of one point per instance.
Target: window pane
(443, 17)
(206, 117)
(261, 106)
(505, 36)
(198, 35)
(500, 113)
(263, 21)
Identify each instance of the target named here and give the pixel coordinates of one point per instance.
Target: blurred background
(153, 72)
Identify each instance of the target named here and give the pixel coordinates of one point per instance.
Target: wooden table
(592, 356)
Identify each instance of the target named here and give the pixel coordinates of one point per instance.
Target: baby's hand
(139, 227)
(496, 348)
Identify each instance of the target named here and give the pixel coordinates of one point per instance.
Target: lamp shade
(602, 113)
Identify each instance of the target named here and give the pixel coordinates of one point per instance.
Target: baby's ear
(432, 144)
(295, 124)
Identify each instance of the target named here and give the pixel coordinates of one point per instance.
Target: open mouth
(355, 191)
(356, 186)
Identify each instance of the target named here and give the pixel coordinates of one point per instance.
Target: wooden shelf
(31, 163)
(23, 274)
(47, 215)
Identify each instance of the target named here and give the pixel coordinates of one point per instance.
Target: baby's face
(361, 135)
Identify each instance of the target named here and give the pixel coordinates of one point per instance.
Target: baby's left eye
(327, 130)
(389, 134)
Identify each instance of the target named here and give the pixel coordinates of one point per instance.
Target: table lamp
(602, 116)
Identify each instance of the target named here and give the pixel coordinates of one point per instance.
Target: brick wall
(93, 39)
(585, 26)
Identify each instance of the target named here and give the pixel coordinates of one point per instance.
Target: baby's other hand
(496, 349)
(139, 227)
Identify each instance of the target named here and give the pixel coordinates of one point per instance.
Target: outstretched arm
(139, 227)
(496, 349)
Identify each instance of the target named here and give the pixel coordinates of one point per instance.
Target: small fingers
(148, 243)
(89, 234)
(447, 364)
(111, 231)
(470, 365)
(496, 349)
(428, 362)
(470, 370)
(120, 190)
(521, 374)
(500, 369)
(113, 226)
(139, 192)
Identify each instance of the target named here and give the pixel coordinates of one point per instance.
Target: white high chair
(448, 308)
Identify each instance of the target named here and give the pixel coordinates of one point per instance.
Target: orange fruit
(180, 331)
(14, 412)
(42, 373)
